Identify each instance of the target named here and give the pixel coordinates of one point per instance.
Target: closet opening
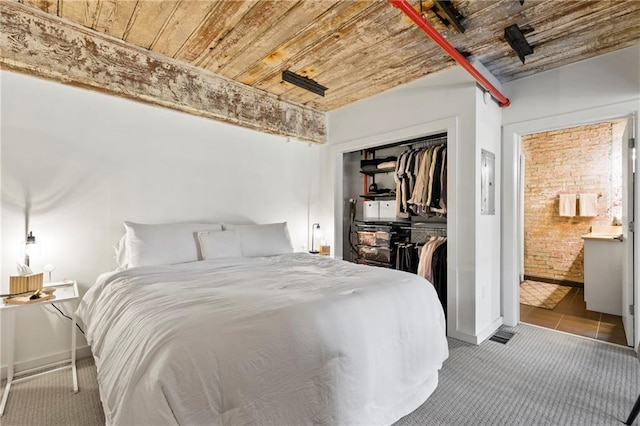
(395, 214)
(576, 195)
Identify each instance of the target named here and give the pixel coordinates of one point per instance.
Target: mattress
(290, 339)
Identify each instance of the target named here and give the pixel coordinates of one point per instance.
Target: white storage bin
(387, 209)
(370, 210)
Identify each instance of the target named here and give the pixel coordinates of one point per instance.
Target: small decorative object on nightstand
(49, 268)
(65, 292)
(325, 249)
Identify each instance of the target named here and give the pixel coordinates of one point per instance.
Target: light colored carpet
(540, 377)
(49, 399)
(542, 295)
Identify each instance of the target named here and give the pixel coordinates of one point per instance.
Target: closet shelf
(378, 171)
(437, 223)
(378, 196)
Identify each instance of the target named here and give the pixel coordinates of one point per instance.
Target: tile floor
(571, 316)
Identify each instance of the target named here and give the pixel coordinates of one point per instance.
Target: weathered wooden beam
(44, 45)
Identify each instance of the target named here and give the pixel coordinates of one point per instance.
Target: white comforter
(285, 340)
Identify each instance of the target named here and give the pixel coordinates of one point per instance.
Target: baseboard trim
(82, 352)
(554, 281)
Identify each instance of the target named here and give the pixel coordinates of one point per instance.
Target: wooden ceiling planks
(178, 28)
(390, 78)
(357, 48)
(213, 30)
(555, 56)
(487, 44)
(147, 21)
(357, 35)
(320, 31)
(293, 22)
(555, 46)
(251, 27)
(397, 63)
(114, 16)
(81, 12)
(367, 78)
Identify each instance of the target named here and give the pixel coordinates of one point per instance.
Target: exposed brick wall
(573, 160)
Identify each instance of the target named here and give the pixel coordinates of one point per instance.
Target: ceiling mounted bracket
(517, 41)
(453, 17)
(303, 82)
(415, 16)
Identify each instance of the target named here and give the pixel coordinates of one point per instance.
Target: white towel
(589, 204)
(568, 205)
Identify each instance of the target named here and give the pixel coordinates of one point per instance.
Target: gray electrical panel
(487, 183)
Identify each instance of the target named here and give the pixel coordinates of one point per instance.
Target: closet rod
(426, 144)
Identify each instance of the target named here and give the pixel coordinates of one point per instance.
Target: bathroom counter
(600, 236)
(604, 233)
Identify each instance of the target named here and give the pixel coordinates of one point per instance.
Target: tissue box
(25, 283)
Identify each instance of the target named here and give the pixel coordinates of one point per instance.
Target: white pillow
(164, 244)
(263, 240)
(219, 244)
(122, 256)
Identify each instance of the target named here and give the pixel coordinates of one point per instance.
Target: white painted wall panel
(488, 137)
(85, 162)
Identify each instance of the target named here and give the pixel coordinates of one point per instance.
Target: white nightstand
(66, 292)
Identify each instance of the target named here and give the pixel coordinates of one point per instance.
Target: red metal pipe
(408, 10)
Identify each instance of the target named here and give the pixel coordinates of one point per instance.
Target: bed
(284, 339)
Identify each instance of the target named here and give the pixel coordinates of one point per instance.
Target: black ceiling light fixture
(518, 43)
(453, 17)
(304, 82)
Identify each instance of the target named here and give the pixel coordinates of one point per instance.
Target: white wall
(594, 90)
(488, 137)
(85, 162)
(604, 80)
(444, 101)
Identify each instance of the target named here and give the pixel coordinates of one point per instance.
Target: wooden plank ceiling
(355, 48)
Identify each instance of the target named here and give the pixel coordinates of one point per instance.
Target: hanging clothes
(439, 268)
(441, 208)
(436, 187)
(399, 177)
(415, 201)
(421, 177)
(434, 172)
(426, 257)
(407, 257)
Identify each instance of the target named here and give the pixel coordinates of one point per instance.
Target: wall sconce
(316, 237)
(31, 247)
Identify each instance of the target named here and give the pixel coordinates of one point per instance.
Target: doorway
(571, 186)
